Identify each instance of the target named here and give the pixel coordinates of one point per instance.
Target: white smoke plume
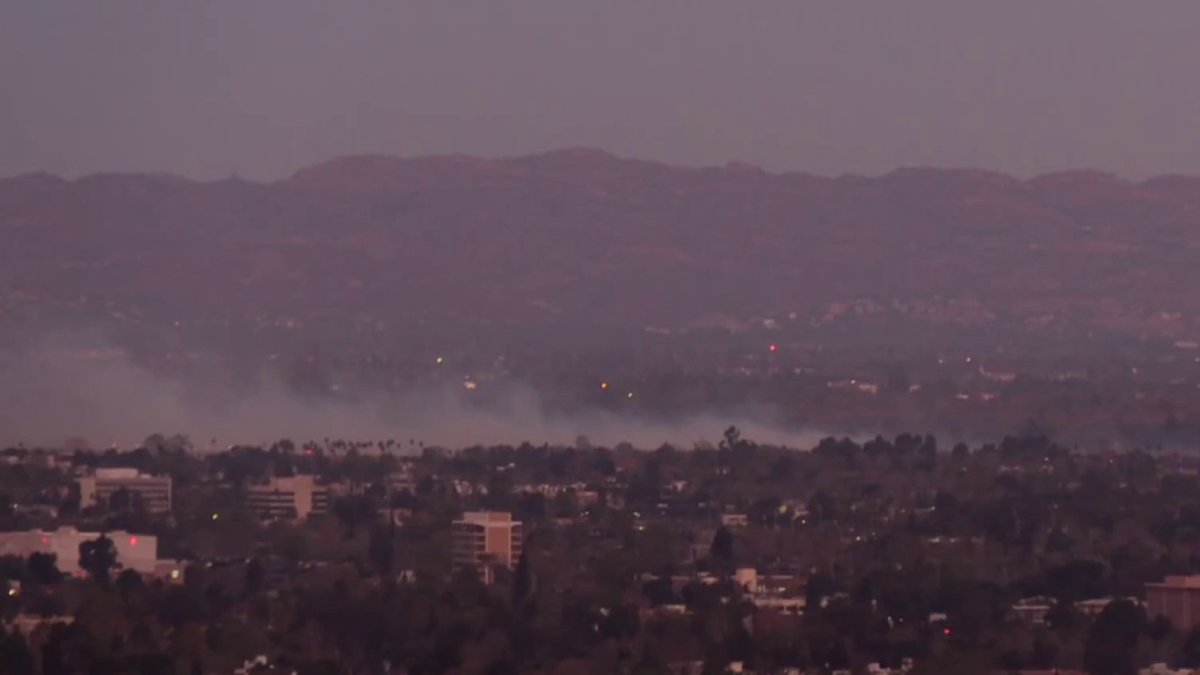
(57, 391)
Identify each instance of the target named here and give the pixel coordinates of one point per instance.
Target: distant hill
(579, 237)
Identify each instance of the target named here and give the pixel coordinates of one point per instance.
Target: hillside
(579, 238)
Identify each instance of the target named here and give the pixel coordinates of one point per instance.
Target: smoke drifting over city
(98, 393)
(565, 338)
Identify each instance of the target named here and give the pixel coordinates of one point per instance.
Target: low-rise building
(734, 520)
(25, 624)
(783, 593)
(134, 551)
(1093, 607)
(1032, 611)
(1178, 599)
(170, 570)
(1164, 669)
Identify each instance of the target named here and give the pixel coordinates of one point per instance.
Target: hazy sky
(262, 87)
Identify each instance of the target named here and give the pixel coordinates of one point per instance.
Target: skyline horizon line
(598, 151)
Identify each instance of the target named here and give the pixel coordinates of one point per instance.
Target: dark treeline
(901, 548)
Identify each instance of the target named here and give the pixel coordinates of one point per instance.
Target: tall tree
(15, 655)
(381, 548)
(731, 439)
(255, 576)
(1111, 641)
(353, 512)
(43, 568)
(121, 500)
(523, 579)
(98, 557)
(721, 549)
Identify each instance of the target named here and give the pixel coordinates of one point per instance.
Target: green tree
(294, 547)
(721, 549)
(732, 441)
(255, 576)
(129, 582)
(98, 557)
(43, 568)
(1191, 647)
(1111, 641)
(523, 580)
(353, 512)
(381, 549)
(70, 504)
(121, 500)
(15, 655)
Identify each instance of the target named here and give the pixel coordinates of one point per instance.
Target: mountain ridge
(598, 155)
(580, 237)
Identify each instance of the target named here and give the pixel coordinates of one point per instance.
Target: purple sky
(262, 87)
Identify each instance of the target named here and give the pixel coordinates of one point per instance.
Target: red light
(773, 347)
(133, 541)
(945, 631)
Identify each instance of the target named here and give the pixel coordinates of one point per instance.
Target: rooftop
(485, 517)
(1179, 581)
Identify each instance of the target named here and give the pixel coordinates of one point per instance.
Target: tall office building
(482, 539)
(99, 488)
(293, 497)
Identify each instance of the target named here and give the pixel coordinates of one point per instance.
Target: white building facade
(137, 552)
(293, 497)
(98, 489)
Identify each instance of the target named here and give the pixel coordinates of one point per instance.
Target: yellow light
(216, 516)
(604, 385)
(440, 360)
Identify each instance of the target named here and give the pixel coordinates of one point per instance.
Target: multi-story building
(137, 552)
(482, 539)
(293, 497)
(1178, 599)
(99, 488)
(401, 480)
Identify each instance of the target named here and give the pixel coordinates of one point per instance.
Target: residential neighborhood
(887, 556)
